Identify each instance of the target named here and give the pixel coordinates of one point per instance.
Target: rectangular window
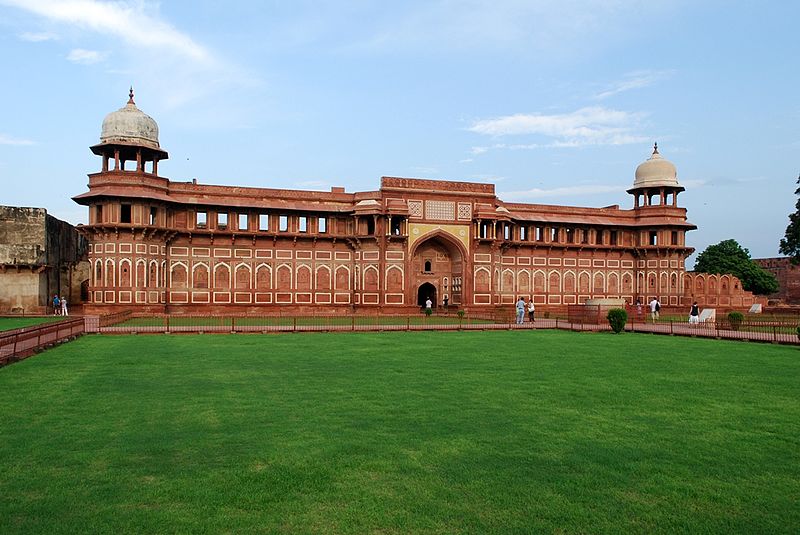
(322, 225)
(263, 222)
(653, 237)
(570, 235)
(396, 226)
(243, 222)
(484, 230)
(585, 237)
(222, 220)
(539, 233)
(554, 234)
(506, 232)
(302, 223)
(283, 223)
(674, 237)
(613, 237)
(98, 214)
(153, 215)
(523, 233)
(202, 220)
(125, 215)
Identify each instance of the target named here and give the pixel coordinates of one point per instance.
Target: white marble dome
(656, 172)
(130, 126)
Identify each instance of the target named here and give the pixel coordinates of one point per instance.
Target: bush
(461, 314)
(428, 311)
(735, 319)
(617, 318)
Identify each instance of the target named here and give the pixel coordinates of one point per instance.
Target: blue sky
(555, 102)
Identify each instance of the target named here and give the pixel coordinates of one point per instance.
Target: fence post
(774, 333)
(352, 323)
(671, 329)
(294, 324)
(233, 324)
(167, 322)
(408, 323)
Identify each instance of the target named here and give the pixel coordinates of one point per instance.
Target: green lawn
(410, 432)
(9, 323)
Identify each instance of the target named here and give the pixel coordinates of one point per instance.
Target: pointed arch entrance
(426, 291)
(437, 269)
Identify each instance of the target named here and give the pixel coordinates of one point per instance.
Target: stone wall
(718, 291)
(39, 256)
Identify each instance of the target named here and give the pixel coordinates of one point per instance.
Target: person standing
(531, 309)
(56, 305)
(655, 309)
(694, 314)
(428, 306)
(638, 308)
(520, 310)
(64, 310)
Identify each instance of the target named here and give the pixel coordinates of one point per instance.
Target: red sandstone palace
(163, 246)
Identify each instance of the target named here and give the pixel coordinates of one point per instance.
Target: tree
(790, 243)
(729, 257)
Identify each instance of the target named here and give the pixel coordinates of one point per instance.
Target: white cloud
(9, 140)
(466, 160)
(85, 57)
(586, 126)
(565, 191)
(126, 20)
(154, 56)
(634, 80)
(35, 37)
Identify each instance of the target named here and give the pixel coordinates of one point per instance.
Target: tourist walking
(520, 310)
(655, 309)
(64, 310)
(56, 305)
(694, 314)
(531, 309)
(428, 306)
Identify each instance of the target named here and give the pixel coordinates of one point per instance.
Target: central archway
(437, 267)
(426, 291)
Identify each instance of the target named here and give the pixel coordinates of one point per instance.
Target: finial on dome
(130, 97)
(655, 147)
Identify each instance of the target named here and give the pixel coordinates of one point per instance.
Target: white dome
(656, 172)
(130, 126)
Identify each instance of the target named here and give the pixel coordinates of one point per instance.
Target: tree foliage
(790, 243)
(729, 257)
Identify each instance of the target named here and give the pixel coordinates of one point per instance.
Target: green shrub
(617, 317)
(735, 319)
(798, 332)
(461, 315)
(428, 311)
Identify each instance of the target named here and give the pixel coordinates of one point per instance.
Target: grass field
(427, 432)
(9, 323)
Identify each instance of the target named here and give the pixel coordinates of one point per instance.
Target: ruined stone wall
(22, 236)
(39, 256)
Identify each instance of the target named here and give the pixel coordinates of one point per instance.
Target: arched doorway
(437, 268)
(426, 291)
